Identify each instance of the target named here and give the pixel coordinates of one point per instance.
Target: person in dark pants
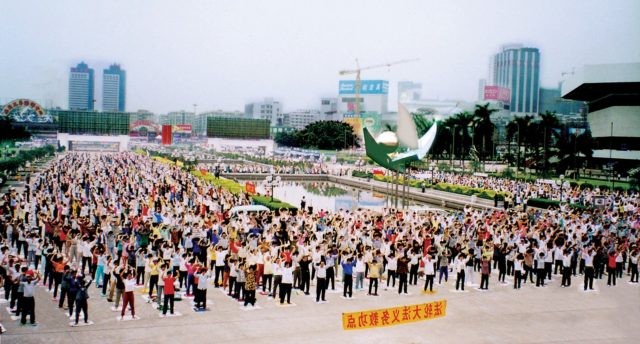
(347, 269)
(587, 256)
(305, 274)
(321, 281)
(485, 270)
(459, 267)
(540, 270)
(74, 286)
(429, 272)
(403, 270)
(287, 282)
(81, 299)
(566, 269)
(28, 300)
(67, 278)
(169, 292)
(517, 267)
(375, 269)
(611, 267)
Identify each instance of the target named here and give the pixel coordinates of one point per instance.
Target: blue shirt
(347, 268)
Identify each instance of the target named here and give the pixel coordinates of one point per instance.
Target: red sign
(497, 93)
(166, 135)
(182, 128)
(250, 187)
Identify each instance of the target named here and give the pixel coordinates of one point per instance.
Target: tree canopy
(330, 135)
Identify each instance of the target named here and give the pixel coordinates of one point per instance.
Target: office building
(81, 87)
(518, 69)
(301, 118)
(267, 109)
(114, 89)
(551, 101)
(329, 107)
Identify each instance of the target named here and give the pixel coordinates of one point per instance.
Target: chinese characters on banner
(250, 187)
(394, 316)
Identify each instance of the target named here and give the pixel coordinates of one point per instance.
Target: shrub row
(469, 191)
(23, 156)
(235, 188)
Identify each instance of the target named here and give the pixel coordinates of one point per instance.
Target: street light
(272, 182)
(432, 169)
(561, 187)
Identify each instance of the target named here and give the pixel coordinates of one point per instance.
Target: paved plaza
(500, 315)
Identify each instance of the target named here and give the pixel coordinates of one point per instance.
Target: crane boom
(353, 71)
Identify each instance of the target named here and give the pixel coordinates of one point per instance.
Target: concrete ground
(500, 315)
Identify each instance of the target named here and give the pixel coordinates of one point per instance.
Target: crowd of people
(122, 222)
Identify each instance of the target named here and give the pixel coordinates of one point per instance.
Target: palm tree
(483, 126)
(463, 121)
(521, 125)
(549, 126)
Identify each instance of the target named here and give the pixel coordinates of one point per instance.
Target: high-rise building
(81, 86)
(518, 69)
(551, 101)
(481, 84)
(266, 109)
(114, 88)
(329, 106)
(409, 91)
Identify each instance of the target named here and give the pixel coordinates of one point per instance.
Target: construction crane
(357, 73)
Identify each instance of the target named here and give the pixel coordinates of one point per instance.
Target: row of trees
(542, 142)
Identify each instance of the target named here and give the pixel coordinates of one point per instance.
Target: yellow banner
(394, 316)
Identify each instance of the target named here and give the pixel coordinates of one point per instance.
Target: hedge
(235, 188)
(469, 191)
(360, 174)
(546, 203)
(275, 205)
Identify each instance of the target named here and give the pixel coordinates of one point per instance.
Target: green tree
(9, 133)
(520, 126)
(483, 129)
(330, 135)
(549, 128)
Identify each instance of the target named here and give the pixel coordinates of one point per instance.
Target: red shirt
(168, 285)
(612, 261)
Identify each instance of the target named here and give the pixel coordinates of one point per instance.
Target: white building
(266, 109)
(301, 118)
(409, 91)
(612, 92)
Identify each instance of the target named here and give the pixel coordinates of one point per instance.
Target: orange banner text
(394, 316)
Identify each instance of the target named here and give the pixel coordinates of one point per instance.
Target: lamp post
(432, 169)
(271, 182)
(561, 187)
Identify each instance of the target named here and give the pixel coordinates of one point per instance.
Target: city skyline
(200, 54)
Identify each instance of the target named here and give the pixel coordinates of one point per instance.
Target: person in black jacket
(82, 294)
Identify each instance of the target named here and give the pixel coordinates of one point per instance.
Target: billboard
(497, 93)
(182, 129)
(366, 87)
(94, 146)
(371, 121)
(166, 135)
(239, 128)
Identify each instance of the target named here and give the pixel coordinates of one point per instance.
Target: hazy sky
(221, 54)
